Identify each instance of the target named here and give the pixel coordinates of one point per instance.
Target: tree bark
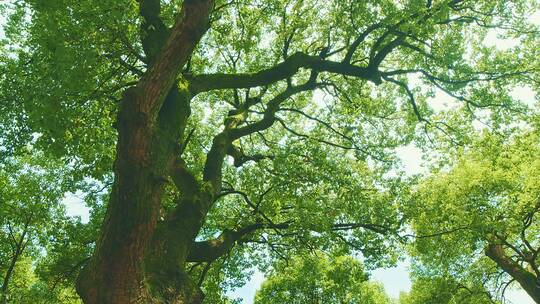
(528, 281)
(151, 120)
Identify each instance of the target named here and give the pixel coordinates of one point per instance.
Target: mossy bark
(139, 258)
(145, 153)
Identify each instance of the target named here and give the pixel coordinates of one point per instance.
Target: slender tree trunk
(168, 253)
(19, 248)
(528, 281)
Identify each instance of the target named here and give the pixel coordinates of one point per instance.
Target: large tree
(245, 122)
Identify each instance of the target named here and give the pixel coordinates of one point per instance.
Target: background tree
(479, 214)
(270, 124)
(320, 278)
(30, 219)
(435, 290)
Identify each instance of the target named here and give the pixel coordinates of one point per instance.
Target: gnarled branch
(282, 71)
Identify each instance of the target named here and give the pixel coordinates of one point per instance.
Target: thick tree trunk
(144, 156)
(528, 281)
(151, 120)
(139, 260)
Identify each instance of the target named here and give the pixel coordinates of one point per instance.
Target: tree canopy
(212, 137)
(320, 278)
(435, 290)
(482, 213)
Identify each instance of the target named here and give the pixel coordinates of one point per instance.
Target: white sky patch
(247, 292)
(482, 116)
(534, 18)
(411, 158)
(75, 206)
(395, 280)
(524, 94)
(442, 101)
(319, 98)
(516, 295)
(2, 22)
(494, 38)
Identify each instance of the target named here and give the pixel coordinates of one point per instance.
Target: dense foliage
(34, 228)
(437, 290)
(209, 138)
(320, 278)
(479, 214)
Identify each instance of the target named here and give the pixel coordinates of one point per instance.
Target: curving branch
(273, 106)
(427, 122)
(320, 121)
(353, 145)
(208, 251)
(222, 142)
(356, 43)
(525, 278)
(440, 82)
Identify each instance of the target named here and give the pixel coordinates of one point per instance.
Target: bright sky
(396, 279)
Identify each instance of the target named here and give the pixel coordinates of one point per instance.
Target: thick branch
(184, 180)
(356, 43)
(387, 49)
(154, 33)
(192, 23)
(284, 70)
